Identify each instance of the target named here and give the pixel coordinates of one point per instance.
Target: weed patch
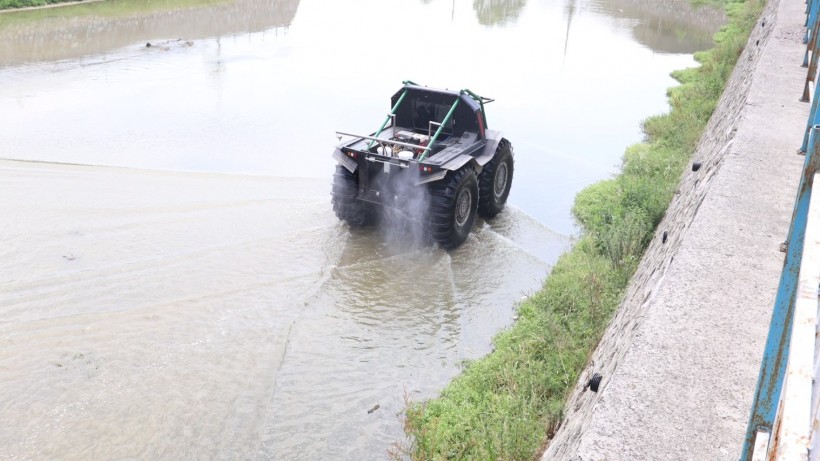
(6, 4)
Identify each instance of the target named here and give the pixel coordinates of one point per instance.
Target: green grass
(108, 8)
(505, 405)
(6, 4)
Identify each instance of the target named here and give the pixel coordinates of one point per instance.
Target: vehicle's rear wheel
(495, 181)
(452, 210)
(345, 204)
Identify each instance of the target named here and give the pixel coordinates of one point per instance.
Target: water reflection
(87, 29)
(495, 12)
(669, 26)
(570, 11)
(672, 26)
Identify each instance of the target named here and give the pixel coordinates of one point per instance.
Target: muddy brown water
(173, 282)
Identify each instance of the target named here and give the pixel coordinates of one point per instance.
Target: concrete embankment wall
(680, 357)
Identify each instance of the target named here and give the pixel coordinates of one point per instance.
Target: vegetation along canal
(173, 281)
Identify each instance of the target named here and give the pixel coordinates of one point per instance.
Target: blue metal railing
(783, 421)
(810, 61)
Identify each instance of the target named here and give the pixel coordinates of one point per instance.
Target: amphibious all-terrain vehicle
(433, 158)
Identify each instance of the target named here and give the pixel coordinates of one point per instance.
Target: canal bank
(21, 5)
(311, 341)
(680, 358)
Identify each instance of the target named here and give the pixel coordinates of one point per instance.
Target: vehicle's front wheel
(347, 207)
(495, 181)
(452, 210)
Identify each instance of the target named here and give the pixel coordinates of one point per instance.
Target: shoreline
(50, 5)
(510, 402)
(695, 317)
(153, 171)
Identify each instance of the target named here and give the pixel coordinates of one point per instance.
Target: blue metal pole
(812, 71)
(809, 37)
(776, 353)
(809, 4)
(813, 118)
(811, 19)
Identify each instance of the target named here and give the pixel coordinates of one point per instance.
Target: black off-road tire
(452, 209)
(495, 181)
(347, 207)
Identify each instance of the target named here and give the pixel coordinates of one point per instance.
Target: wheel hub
(500, 182)
(463, 204)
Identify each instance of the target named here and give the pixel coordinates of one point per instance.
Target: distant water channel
(173, 283)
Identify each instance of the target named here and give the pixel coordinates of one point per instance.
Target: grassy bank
(7, 4)
(109, 8)
(504, 405)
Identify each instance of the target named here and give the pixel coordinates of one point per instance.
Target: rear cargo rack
(373, 139)
(382, 141)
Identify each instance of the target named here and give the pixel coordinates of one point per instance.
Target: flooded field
(173, 282)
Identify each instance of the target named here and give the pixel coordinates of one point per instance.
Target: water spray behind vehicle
(433, 161)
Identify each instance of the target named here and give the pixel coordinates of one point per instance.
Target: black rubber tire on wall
(452, 209)
(347, 207)
(495, 181)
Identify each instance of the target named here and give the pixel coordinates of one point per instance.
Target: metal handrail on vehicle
(480, 99)
(389, 116)
(784, 422)
(440, 129)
